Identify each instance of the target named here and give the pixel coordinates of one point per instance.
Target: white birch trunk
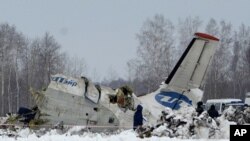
(2, 81)
(17, 84)
(9, 93)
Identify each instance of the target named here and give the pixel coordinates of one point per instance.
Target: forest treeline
(28, 63)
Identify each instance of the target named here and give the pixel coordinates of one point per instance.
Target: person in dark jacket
(199, 108)
(213, 113)
(138, 118)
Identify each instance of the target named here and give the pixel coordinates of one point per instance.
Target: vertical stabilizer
(183, 84)
(190, 70)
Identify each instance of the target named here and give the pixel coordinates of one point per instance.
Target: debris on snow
(181, 124)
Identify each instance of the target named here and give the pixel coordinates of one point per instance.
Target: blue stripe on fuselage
(172, 100)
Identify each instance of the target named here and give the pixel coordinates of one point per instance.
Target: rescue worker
(138, 118)
(199, 108)
(213, 113)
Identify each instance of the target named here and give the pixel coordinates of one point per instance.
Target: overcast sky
(103, 31)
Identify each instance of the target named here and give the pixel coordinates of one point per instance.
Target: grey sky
(103, 31)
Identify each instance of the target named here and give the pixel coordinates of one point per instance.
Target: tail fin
(190, 70)
(184, 81)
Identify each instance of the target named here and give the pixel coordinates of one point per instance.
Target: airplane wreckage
(80, 102)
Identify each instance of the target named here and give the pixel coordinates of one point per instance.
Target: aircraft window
(92, 122)
(96, 109)
(111, 120)
(112, 99)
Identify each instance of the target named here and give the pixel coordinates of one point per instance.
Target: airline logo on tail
(172, 99)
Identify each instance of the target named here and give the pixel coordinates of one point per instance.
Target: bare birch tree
(74, 66)
(218, 74)
(240, 69)
(154, 53)
(7, 33)
(186, 30)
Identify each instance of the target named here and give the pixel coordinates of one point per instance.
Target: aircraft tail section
(183, 84)
(189, 72)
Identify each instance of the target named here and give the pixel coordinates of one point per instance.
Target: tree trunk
(2, 82)
(9, 94)
(17, 87)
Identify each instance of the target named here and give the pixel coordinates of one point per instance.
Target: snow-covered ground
(53, 135)
(160, 133)
(176, 127)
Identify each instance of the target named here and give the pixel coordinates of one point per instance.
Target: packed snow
(178, 125)
(127, 135)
